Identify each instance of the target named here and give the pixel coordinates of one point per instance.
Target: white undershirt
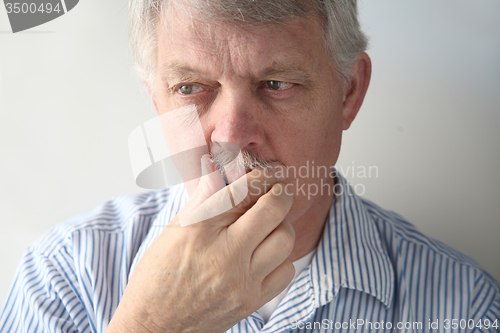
(267, 309)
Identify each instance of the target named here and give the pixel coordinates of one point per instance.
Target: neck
(309, 226)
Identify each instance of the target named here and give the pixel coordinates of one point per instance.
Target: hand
(208, 276)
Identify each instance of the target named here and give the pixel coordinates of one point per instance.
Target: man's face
(270, 89)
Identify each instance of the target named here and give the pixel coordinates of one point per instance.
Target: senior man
(280, 80)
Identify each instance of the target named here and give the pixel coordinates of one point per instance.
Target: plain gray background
(430, 122)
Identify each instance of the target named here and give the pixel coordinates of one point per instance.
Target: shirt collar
(350, 253)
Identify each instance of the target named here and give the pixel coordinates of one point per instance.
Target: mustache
(230, 161)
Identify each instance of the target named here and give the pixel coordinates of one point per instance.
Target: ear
(355, 93)
(151, 95)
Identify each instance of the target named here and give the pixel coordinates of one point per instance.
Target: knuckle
(273, 212)
(273, 209)
(245, 203)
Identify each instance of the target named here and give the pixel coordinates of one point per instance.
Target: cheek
(322, 133)
(330, 125)
(303, 134)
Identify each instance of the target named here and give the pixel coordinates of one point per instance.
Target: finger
(262, 218)
(248, 189)
(273, 250)
(274, 283)
(212, 198)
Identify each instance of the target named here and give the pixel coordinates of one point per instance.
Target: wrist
(126, 322)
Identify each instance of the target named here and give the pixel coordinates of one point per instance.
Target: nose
(237, 118)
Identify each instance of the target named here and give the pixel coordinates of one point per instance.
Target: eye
(188, 89)
(278, 85)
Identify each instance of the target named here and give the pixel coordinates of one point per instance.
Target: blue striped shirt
(372, 272)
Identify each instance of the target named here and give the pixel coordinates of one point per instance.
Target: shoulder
(430, 266)
(82, 266)
(393, 225)
(128, 216)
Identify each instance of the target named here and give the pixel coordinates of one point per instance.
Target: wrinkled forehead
(242, 12)
(247, 50)
(210, 20)
(180, 23)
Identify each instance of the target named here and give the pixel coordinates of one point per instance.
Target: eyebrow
(177, 70)
(281, 69)
(180, 71)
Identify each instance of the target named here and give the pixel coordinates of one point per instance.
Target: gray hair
(343, 37)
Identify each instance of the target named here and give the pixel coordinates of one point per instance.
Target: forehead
(223, 48)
